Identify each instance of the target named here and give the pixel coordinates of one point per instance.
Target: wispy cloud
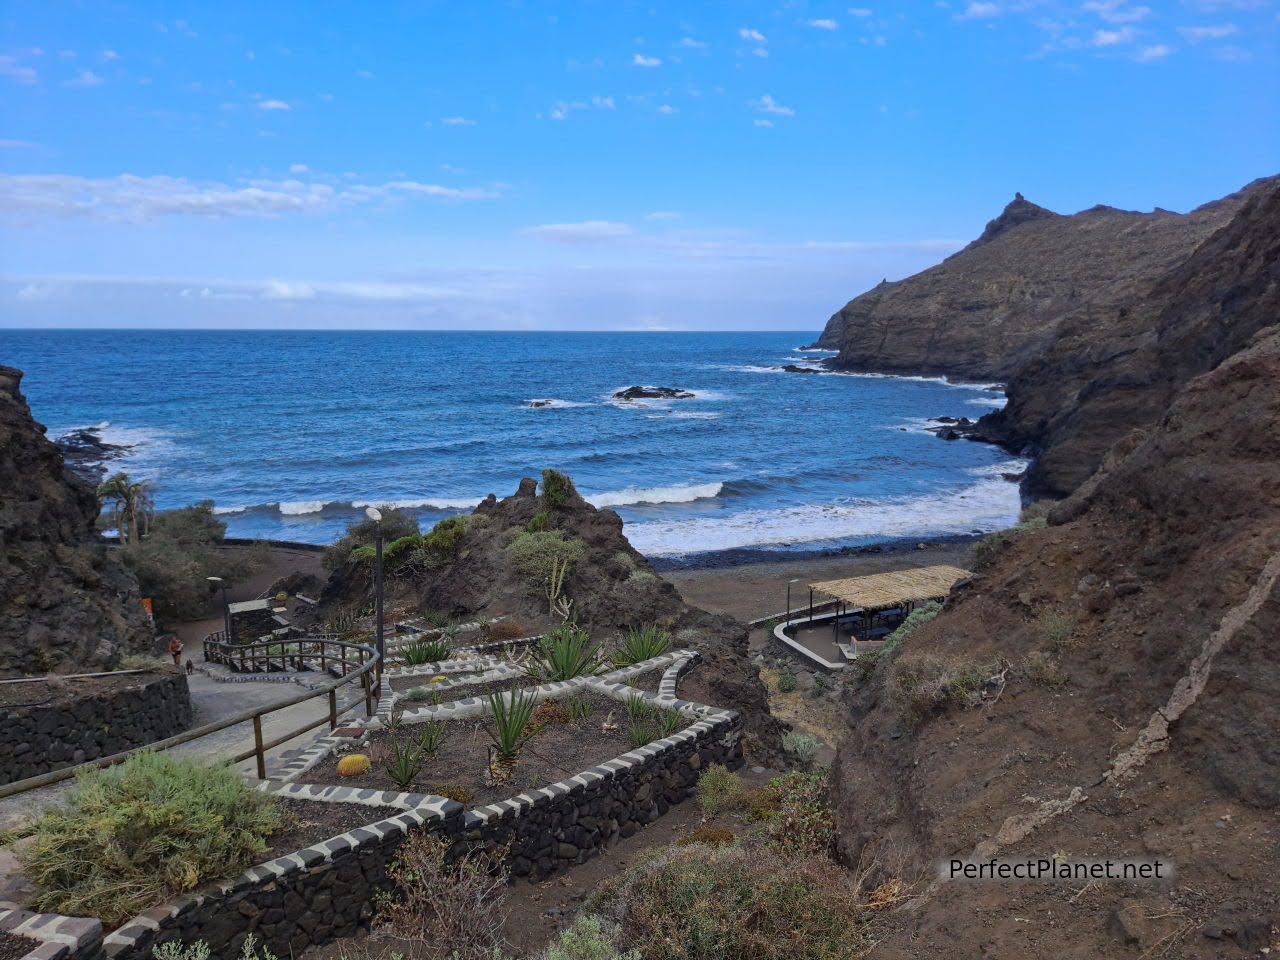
(689, 43)
(1117, 11)
(19, 73)
(590, 231)
(751, 34)
(603, 103)
(762, 122)
(640, 60)
(1212, 32)
(668, 109)
(766, 104)
(129, 198)
(16, 144)
(85, 79)
(1113, 38)
(109, 56)
(272, 105)
(662, 215)
(298, 168)
(1153, 53)
(979, 11)
(859, 11)
(824, 23)
(458, 122)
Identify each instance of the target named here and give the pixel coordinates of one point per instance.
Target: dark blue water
(292, 433)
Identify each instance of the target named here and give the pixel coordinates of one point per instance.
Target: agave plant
(642, 644)
(579, 709)
(511, 716)
(563, 654)
(404, 761)
(423, 650)
(431, 737)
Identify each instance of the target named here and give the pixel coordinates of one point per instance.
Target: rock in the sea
(792, 368)
(540, 403)
(85, 453)
(66, 601)
(653, 393)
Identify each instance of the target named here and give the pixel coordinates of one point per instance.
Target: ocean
(292, 433)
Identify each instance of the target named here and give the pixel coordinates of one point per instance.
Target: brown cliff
(66, 603)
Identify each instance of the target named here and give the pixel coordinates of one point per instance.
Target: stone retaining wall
(35, 740)
(56, 937)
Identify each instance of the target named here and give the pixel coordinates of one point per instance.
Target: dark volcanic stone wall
(35, 740)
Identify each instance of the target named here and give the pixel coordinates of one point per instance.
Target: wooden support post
(333, 709)
(259, 753)
(368, 700)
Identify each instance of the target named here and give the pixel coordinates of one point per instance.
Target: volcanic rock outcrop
(612, 587)
(1106, 687)
(983, 312)
(66, 603)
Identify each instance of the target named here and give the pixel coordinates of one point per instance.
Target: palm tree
(130, 501)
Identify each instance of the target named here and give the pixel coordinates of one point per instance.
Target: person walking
(175, 650)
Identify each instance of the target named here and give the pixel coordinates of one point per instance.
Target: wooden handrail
(362, 674)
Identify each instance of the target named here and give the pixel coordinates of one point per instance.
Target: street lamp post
(374, 514)
(789, 583)
(218, 582)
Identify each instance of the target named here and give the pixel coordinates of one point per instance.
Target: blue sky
(605, 165)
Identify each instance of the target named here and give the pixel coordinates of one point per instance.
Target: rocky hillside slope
(983, 312)
(1105, 371)
(1105, 687)
(66, 604)
(612, 587)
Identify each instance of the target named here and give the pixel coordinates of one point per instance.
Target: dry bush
(441, 909)
(719, 789)
(504, 630)
(923, 685)
(714, 836)
(1042, 668)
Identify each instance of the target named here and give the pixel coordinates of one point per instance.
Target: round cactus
(353, 764)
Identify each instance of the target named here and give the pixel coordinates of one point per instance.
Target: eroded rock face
(1106, 372)
(613, 587)
(653, 393)
(66, 603)
(1156, 584)
(986, 310)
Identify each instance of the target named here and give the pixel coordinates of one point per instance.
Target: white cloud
(640, 60)
(286, 290)
(1112, 38)
(84, 79)
(748, 33)
(457, 122)
(590, 231)
(662, 215)
(760, 52)
(129, 198)
(761, 122)
(689, 43)
(1150, 54)
(272, 105)
(1214, 32)
(1117, 11)
(11, 68)
(767, 104)
(979, 11)
(859, 12)
(823, 24)
(667, 108)
(603, 103)
(298, 168)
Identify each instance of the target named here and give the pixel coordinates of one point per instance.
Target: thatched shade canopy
(890, 589)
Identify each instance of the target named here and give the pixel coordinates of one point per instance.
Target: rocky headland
(66, 602)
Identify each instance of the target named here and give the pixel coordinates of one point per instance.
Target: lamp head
(214, 580)
(374, 514)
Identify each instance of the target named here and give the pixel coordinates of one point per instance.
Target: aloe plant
(511, 716)
(563, 654)
(423, 650)
(431, 737)
(404, 761)
(641, 644)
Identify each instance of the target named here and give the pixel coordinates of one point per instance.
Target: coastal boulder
(653, 393)
(66, 602)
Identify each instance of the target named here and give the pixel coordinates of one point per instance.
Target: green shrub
(916, 619)
(588, 938)
(642, 644)
(801, 820)
(511, 714)
(786, 681)
(537, 555)
(557, 489)
(1057, 629)
(136, 834)
(174, 950)
(564, 653)
(719, 789)
(439, 545)
(724, 903)
(395, 524)
(802, 748)
(537, 524)
(422, 650)
(925, 685)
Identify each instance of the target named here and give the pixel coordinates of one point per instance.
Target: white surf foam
(987, 505)
(427, 503)
(236, 509)
(298, 508)
(997, 469)
(991, 400)
(551, 403)
(674, 494)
